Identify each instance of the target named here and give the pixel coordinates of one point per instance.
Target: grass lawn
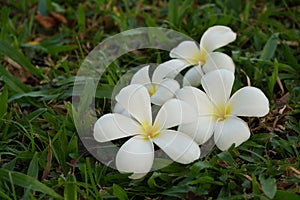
(42, 46)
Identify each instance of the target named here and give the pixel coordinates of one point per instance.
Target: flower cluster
(187, 116)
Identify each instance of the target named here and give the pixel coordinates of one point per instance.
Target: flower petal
(230, 131)
(193, 76)
(178, 146)
(187, 50)
(168, 69)
(173, 113)
(165, 91)
(249, 102)
(200, 130)
(118, 108)
(217, 60)
(136, 100)
(114, 126)
(137, 175)
(136, 155)
(197, 99)
(217, 85)
(141, 76)
(216, 37)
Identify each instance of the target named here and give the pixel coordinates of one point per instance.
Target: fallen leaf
(49, 160)
(59, 17)
(46, 21)
(291, 171)
(18, 71)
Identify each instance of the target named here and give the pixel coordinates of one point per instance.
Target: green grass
(41, 155)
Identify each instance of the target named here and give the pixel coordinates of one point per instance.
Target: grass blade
(81, 18)
(9, 51)
(119, 192)
(26, 181)
(270, 47)
(33, 169)
(4, 196)
(172, 11)
(12, 81)
(3, 102)
(70, 192)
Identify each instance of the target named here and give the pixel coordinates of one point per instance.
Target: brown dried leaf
(292, 43)
(46, 21)
(18, 71)
(59, 17)
(291, 171)
(49, 160)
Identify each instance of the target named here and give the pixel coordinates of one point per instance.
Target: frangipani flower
(218, 113)
(203, 58)
(160, 88)
(137, 154)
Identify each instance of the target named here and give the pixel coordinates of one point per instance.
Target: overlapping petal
(233, 130)
(216, 37)
(249, 102)
(188, 51)
(217, 85)
(136, 100)
(218, 60)
(165, 91)
(118, 108)
(173, 113)
(137, 175)
(114, 126)
(136, 155)
(193, 76)
(141, 76)
(178, 146)
(200, 130)
(196, 98)
(168, 69)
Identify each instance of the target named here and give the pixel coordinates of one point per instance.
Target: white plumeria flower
(218, 113)
(137, 154)
(202, 57)
(160, 87)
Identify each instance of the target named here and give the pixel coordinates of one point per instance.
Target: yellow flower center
(149, 131)
(200, 58)
(223, 112)
(152, 88)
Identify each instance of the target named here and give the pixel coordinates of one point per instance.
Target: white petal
(138, 175)
(141, 76)
(249, 102)
(217, 85)
(136, 156)
(178, 146)
(118, 108)
(193, 76)
(173, 113)
(216, 37)
(231, 130)
(217, 60)
(114, 126)
(197, 99)
(200, 130)
(168, 69)
(136, 100)
(187, 50)
(165, 91)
